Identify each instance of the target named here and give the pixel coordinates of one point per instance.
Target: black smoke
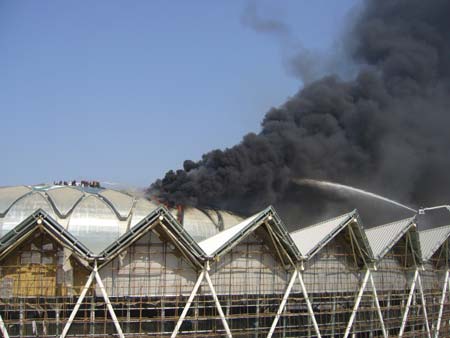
(386, 130)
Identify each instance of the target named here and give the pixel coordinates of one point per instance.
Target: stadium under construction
(82, 261)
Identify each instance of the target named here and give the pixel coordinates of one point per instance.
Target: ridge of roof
(212, 245)
(224, 241)
(324, 221)
(187, 243)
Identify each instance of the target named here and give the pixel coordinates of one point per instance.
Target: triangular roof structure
(383, 237)
(40, 219)
(312, 239)
(163, 220)
(221, 243)
(432, 239)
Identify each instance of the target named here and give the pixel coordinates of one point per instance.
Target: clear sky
(123, 91)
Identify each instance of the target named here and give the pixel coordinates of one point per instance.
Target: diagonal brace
(283, 304)
(377, 304)
(408, 304)
(188, 304)
(357, 302)
(424, 306)
(441, 306)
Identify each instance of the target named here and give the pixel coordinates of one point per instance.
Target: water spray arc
(349, 189)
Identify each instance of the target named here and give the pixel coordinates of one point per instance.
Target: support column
(283, 304)
(57, 315)
(78, 304)
(188, 304)
(96, 275)
(216, 300)
(92, 318)
(424, 306)
(3, 329)
(441, 305)
(333, 317)
(21, 318)
(356, 306)
(308, 304)
(408, 304)
(203, 275)
(377, 304)
(108, 303)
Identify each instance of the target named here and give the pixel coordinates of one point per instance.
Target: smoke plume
(385, 130)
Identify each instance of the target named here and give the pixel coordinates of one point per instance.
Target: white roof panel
(229, 219)
(141, 209)
(95, 224)
(214, 243)
(383, 237)
(199, 224)
(8, 195)
(64, 198)
(307, 239)
(432, 239)
(23, 208)
(122, 203)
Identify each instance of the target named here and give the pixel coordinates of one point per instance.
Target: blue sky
(123, 91)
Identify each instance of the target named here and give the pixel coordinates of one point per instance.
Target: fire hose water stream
(348, 189)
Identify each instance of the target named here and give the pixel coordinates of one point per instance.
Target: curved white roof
(8, 195)
(204, 223)
(24, 207)
(121, 202)
(94, 223)
(95, 216)
(98, 216)
(64, 198)
(141, 209)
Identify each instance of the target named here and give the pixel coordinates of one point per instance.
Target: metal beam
(408, 304)
(377, 304)
(441, 306)
(424, 306)
(308, 304)
(356, 306)
(188, 304)
(78, 304)
(283, 303)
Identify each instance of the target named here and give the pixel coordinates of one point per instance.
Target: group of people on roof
(82, 183)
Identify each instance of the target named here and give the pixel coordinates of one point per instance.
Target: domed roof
(95, 216)
(98, 216)
(204, 223)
